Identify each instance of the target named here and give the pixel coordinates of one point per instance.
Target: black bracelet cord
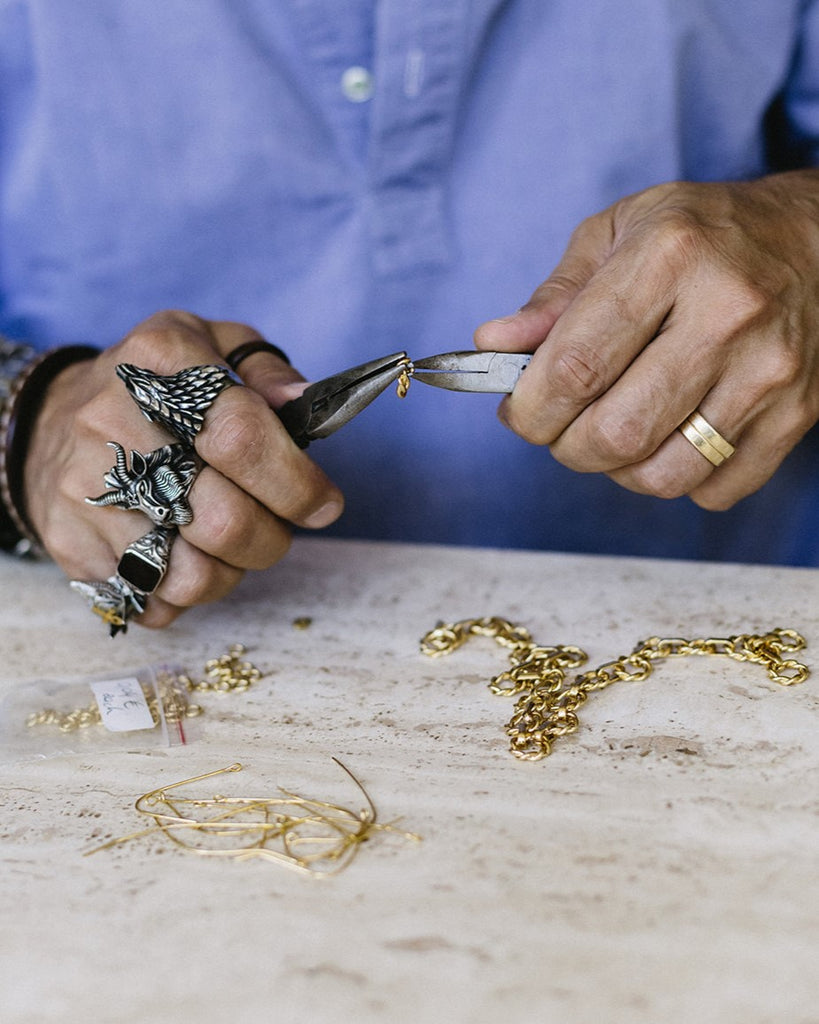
(20, 410)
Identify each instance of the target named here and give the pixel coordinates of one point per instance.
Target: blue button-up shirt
(357, 178)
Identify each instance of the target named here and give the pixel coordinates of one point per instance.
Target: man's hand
(255, 481)
(683, 297)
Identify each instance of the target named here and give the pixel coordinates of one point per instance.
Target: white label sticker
(122, 705)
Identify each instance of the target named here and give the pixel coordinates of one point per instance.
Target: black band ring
(241, 353)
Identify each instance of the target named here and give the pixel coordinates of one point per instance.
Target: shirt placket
(417, 82)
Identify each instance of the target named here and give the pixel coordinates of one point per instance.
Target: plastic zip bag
(136, 709)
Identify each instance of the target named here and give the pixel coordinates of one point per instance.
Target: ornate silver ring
(178, 402)
(140, 571)
(145, 562)
(157, 483)
(112, 599)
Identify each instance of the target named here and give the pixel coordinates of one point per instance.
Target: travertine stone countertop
(661, 866)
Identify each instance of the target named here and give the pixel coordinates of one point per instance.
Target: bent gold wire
(316, 837)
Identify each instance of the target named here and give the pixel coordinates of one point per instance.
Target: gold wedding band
(706, 440)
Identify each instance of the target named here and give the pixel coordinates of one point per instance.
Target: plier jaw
(495, 372)
(328, 404)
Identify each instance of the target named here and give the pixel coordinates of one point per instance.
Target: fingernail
(328, 513)
(293, 389)
(505, 319)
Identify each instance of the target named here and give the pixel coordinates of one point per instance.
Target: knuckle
(744, 302)
(793, 422)
(588, 230)
(713, 501)
(620, 440)
(162, 342)
(92, 417)
(678, 237)
(238, 536)
(778, 367)
(274, 552)
(526, 426)
(171, 320)
(225, 525)
(581, 371)
(149, 346)
(61, 545)
(208, 581)
(236, 433)
(657, 478)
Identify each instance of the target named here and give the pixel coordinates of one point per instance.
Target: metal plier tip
(328, 404)
(495, 372)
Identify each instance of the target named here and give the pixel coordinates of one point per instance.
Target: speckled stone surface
(660, 866)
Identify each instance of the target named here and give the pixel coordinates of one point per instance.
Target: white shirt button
(357, 84)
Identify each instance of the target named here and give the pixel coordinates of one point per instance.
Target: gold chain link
(547, 703)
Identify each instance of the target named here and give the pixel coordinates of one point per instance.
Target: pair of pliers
(328, 404)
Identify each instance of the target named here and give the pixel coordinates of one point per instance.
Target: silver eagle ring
(178, 402)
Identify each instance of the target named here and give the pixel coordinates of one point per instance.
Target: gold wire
(283, 818)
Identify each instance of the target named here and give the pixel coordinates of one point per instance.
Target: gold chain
(174, 701)
(228, 673)
(547, 702)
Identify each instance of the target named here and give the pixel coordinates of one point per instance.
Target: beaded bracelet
(24, 379)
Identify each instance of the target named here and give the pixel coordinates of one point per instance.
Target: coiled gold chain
(547, 702)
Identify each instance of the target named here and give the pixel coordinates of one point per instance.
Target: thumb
(523, 331)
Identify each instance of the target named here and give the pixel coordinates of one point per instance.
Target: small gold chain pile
(547, 702)
(172, 696)
(228, 673)
(70, 721)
